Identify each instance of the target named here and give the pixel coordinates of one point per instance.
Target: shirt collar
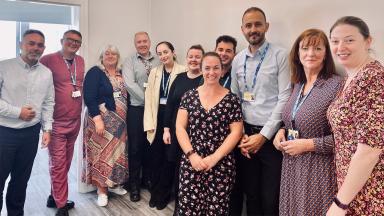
(258, 51)
(25, 65)
(148, 58)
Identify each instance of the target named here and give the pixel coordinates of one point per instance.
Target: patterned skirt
(105, 162)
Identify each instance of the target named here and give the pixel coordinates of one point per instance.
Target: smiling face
(32, 47)
(226, 52)
(312, 55)
(254, 27)
(349, 46)
(194, 59)
(71, 43)
(165, 54)
(110, 58)
(212, 69)
(142, 44)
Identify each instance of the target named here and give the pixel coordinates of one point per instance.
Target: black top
(97, 90)
(181, 85)
(225, 81)
(164, 84)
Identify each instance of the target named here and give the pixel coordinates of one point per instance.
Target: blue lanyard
(297, 105)
(165, 88)
(226, 81)
(256, 71)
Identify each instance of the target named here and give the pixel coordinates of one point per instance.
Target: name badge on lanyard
(117, 94)
(293, 133)
(248, 95)
(75, 93)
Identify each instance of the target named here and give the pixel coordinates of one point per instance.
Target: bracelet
(190, 152)
(340, 204)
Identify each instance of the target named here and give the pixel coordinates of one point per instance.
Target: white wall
(115, 22)
(186, 22)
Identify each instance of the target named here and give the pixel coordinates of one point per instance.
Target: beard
(256, 41)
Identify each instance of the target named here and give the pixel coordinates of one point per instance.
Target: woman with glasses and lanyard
(156, 94)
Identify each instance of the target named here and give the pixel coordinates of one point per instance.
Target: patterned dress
(105, 156)
(308, 180)
(207, 193)
(357, 116)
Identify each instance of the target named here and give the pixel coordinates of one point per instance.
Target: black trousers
(18, 148)
(258, 179)
(138, 146)
(158, 158)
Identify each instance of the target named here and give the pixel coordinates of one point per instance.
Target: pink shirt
(66, 107)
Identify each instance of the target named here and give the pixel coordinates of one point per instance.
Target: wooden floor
(39, 189)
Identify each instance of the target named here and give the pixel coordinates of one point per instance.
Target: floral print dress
(357, 117)
(207, 193)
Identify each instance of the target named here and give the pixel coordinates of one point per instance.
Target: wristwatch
(340, 204)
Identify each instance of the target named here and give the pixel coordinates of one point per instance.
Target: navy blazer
(97, 90)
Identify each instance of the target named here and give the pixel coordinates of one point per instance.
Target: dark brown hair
(196, 47)
(353, 21)
(310, 37)
(210, 54)
(254, 9)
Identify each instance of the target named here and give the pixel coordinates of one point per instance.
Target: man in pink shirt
(68, 73)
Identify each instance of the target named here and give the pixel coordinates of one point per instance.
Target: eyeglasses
(73, 41)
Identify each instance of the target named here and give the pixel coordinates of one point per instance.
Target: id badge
(292, 134)
(76, 94)
(163, 101)
(248, 96)
(145, 85)
(117, 94)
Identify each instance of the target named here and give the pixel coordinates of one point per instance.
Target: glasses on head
(73, 41)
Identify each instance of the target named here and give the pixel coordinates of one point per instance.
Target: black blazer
(97, 90)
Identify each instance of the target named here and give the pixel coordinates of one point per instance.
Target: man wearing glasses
(68, 73)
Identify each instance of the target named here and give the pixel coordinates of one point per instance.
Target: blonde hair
(113, 49)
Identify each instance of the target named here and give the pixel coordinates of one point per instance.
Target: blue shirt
(271, 90)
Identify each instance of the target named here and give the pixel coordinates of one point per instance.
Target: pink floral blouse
(357, 117)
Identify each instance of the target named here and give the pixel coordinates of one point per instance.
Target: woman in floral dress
(357, 120)
(208, 126)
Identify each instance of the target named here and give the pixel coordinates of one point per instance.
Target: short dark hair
(227, 39)
(196, 47)
(353, 21)
(254, 9)
(310, 37)
(210, 54)
(33, 31)
(73, 31)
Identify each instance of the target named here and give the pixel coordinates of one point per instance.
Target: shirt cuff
(267, 132)
(15, 112)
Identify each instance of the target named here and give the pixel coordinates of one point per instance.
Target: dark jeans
(138, 146)
(18, 148)
(258, 178)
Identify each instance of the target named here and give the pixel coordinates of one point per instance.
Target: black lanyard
(165, 88)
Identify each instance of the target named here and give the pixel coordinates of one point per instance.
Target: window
(52, 19)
